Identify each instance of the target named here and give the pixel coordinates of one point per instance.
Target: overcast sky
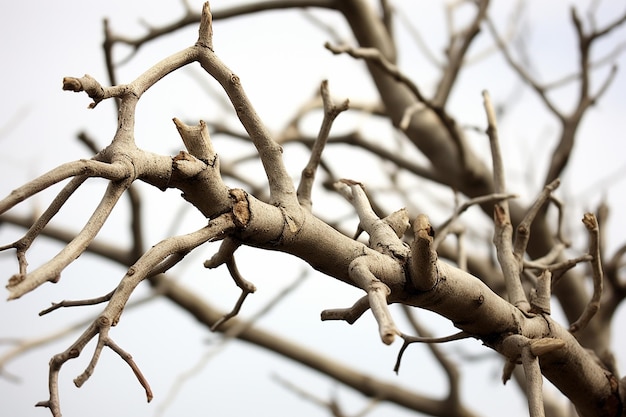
(42, 42)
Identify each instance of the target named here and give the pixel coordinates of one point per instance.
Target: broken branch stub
(424, 273)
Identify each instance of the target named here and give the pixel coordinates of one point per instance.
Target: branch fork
(385, 238)
(518, 348)
(225, 255)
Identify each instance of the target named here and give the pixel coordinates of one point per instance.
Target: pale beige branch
(229, 334)
(377, 293)
(110, 316)
(522, 231)
(24, 346)
(77, 303)
(349, 315)
(20, 284)
(382, 235)
(331, 405)
(93, 88)
(519, 348)
(57, 361)
(35, 228)
(592, 307)
(503, 233)
(331, 111)
(282, 190)
(534, 383)
(444, 228)
(225, 255)
(82, 168)
(456, 51)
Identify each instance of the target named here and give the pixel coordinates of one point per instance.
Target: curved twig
(225, 255)
(416, 339)
(83, 168)
(331, 111)
(503, 233)
(522, 231)
(596, 268)
(21, 284)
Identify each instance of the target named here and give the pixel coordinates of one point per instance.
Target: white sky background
(281, 60)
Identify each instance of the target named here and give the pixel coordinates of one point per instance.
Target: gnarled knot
(241, 208)
(104, 321)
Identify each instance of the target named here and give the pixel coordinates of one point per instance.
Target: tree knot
(241, 208)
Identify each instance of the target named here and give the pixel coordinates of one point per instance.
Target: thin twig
(456, 51)
(77, 303)
(230, 334)
(569, 122)
(331, 111)
(225, 255)
(20, 285)
(522, 235)
(81, 168)
(375, 56)
(415, 339)
(22, 347)
(35, 228)
(443, 229)
(596, 268)
(383, 237)
(503, 234)
(349, 315)
(131, 363)
(451, 370)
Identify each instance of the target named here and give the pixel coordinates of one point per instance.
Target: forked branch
(83, 168)
(596, 271)
(331, 111)
(377, 57)
(586, 98)
(503, 234)
(21, 284)
(225, 255)
(153, 260)
(282, 190)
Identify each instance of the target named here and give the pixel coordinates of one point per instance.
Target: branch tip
(205, 33)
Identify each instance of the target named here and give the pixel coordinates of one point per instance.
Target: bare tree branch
(456, 51)
(331, 111)
(591, 224)
(503, 235)
(393, 267)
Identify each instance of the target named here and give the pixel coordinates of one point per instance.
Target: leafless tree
(501, 295)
